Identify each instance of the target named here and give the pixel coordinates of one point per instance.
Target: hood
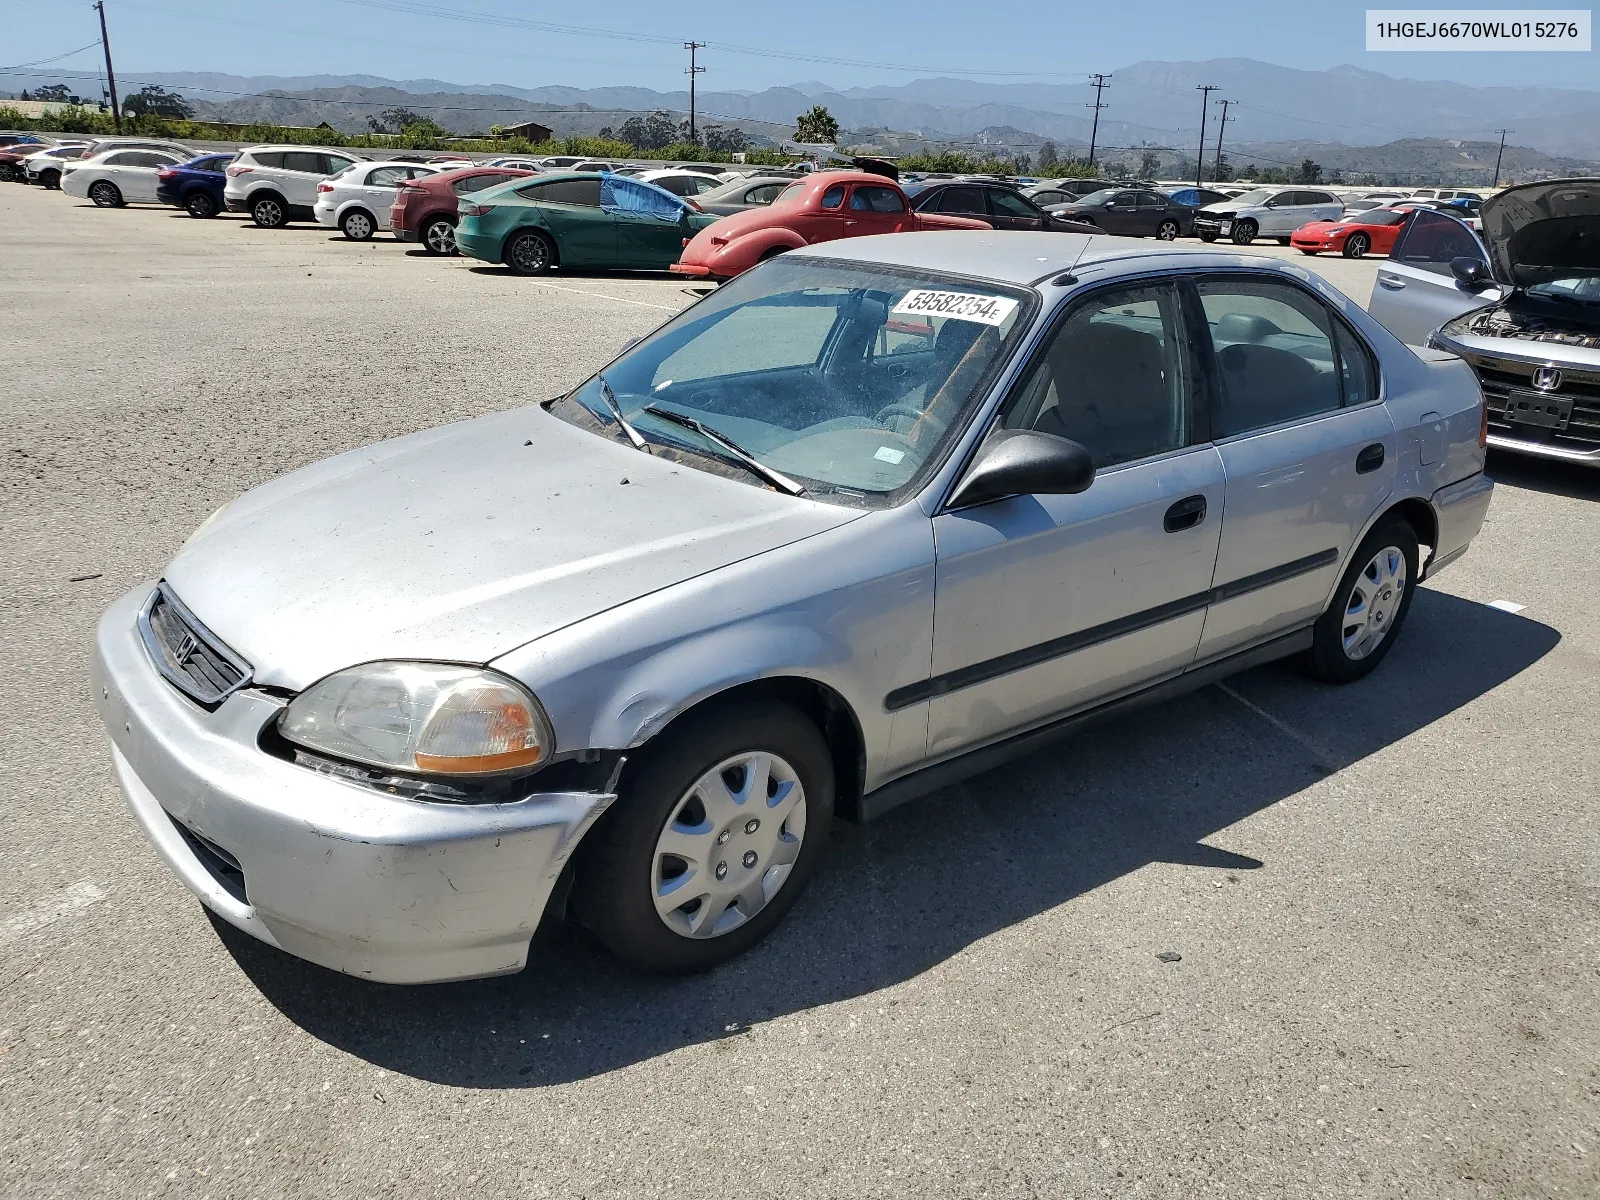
(1221, 208)
(1541, 232)
(464, 542)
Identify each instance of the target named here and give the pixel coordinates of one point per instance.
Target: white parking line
(48, 912)
(600, 296)
(1510, 606)
(1283, 727)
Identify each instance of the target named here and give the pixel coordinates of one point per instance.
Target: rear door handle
(1370, 459)
(1393, 282)
(1185, 514)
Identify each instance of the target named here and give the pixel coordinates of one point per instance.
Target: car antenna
(1067, 277)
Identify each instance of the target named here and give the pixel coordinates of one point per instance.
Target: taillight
(692, 203)
(165, 173)
(324, 187)
(476, 210)
(235, 172)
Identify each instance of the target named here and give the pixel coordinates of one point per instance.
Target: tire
(358, 225)
(10, 174)
(1244, 232)
(1284, 241)
(772, 252)
(1310, 253)
(1168, 231)
(530, 253)
(269, 212)
(105, 194)
(1207, 237)
(1370, 604)
(50, 180)
(693, 793)
(439, 236)
(1356, 245)
(200, 205)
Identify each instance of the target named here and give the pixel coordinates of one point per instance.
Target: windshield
(790, 192)
(1254, 196)
(1096, 199)
(847, 378)
(1582, 289)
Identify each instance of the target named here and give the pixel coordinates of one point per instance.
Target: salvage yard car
(1522, 307)
(117, 177)
(278, 184)
(426, 210)
(1265, 212)
(358, 200)
(1353, 235)
(869, 518)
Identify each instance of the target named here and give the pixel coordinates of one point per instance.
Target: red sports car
(819, 208)
(424, 210)
(1359, 233)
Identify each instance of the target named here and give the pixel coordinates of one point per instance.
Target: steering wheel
(898, 409)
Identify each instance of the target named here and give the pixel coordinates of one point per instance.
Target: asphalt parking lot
(1385, 898)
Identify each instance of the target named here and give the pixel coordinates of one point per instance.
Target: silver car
(873, 516)
(1274, 212)
(1521, 306)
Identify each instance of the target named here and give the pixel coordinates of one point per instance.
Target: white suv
(358, 201)
(278, 184)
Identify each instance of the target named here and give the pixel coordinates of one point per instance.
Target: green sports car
(577, 220)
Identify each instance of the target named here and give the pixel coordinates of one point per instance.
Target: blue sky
(756, 44)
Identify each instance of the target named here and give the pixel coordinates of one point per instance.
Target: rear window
(300, 160)
(564, 191)
(267, 158)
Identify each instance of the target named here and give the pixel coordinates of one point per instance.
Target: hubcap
(1167, 232)
(267, 213)
(442, 237)
(1370, 611)
(358, 226)
(531, 253)
(729, 846)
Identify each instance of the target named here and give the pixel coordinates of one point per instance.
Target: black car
(995, 203)
(1131, 212)
(1064, 191)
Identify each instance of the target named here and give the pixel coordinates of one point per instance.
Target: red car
(1359, 233)
(424, 210)
(819, 208)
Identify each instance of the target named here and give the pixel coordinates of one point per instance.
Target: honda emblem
(186, 646)
(1547, 379)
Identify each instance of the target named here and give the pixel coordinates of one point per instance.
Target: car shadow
(1022, 839)
(565, 273)
(1551, 476)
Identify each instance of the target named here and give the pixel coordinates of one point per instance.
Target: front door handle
(1393, 282)
(1370, 459)
(1185, 514)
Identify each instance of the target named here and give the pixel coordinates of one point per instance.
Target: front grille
(187, 653)
(1502, 378)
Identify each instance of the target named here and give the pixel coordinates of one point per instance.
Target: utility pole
(1217, 170)
(693, 70)
(1099, 86)
(1499, 156)
(111, 77)
(1205, 91)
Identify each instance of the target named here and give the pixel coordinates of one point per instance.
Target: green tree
(52, 93)
(1309, 172)
(730, 139)
(153, 100)
(1048, 156)
(1222, 172)
(1149, 164)
(393, 120)
(816, 126)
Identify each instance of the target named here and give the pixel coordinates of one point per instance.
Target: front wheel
(1356, 245)
(51, 180)
(105, 194)
(1244, 232)
(358, 226)
(1359, 627)
(711, 840)
(1167, 231)
(1208, 237)
(439, 236)
(1309, 253)
(269, 213)
(1284, 241)
(200, 205)
(530, 254)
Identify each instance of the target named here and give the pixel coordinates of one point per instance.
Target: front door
(1308, 450)
(874, 208)
(1122, 214)
(1050, 603)
(1007, 210)
(1416, 292)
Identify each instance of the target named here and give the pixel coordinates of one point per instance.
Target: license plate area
(1538, 408)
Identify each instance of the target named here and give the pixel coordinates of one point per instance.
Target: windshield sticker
(963, 306)
(892, 457)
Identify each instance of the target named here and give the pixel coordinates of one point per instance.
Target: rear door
(302, 171)
(1415, 291)
(586, 235)
(1007, 210)
(962, 201)
(136, 173)
(1308, 450)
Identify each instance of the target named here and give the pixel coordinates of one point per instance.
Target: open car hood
(1540, 232)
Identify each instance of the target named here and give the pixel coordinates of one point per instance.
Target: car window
(332, 164)
(1274, 352)
(1358, 370)
(1125, 199)
(765, 194)
(388, 177)
(124, 159)
(476, 183)
(1112, 377)
(268, 158)
(833, 197)
(1151, 200)
(847, 374)
(303, 161)
(967, 201)
(564, 191)
(876, 199)
(1046, 198)
(1008, 204)
(1430, 240)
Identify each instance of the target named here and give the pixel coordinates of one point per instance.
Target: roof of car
(1018, 257)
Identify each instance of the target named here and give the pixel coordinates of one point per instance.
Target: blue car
(196, 185)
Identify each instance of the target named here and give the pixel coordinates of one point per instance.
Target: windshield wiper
(744, 457)
(623, 423)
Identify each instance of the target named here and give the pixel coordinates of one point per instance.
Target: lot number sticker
(963, 306)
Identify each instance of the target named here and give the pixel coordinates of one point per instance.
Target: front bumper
(376, 886)
(696, 270)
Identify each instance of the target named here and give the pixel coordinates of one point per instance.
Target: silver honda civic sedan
(871, 517)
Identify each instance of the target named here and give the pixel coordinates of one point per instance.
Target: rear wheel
(105, 194)
(1167, 231)
(269, 213)
(358, 225)
(51, 180)
(530, 253)
(1244, 232)
(1359, 627)
(201, 205)
(711, 841)
(1356, 245)
(439, 236)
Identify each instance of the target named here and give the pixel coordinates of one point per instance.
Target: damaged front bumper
(374, 885)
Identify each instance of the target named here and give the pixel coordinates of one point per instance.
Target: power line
(1100, 82)
(1205, 91)
(57, 58)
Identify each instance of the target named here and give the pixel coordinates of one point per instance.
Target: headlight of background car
(430, 718)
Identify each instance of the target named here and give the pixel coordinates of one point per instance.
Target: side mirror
(1025, 462)
(1471, 273)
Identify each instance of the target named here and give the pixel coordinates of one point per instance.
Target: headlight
(430, 718)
